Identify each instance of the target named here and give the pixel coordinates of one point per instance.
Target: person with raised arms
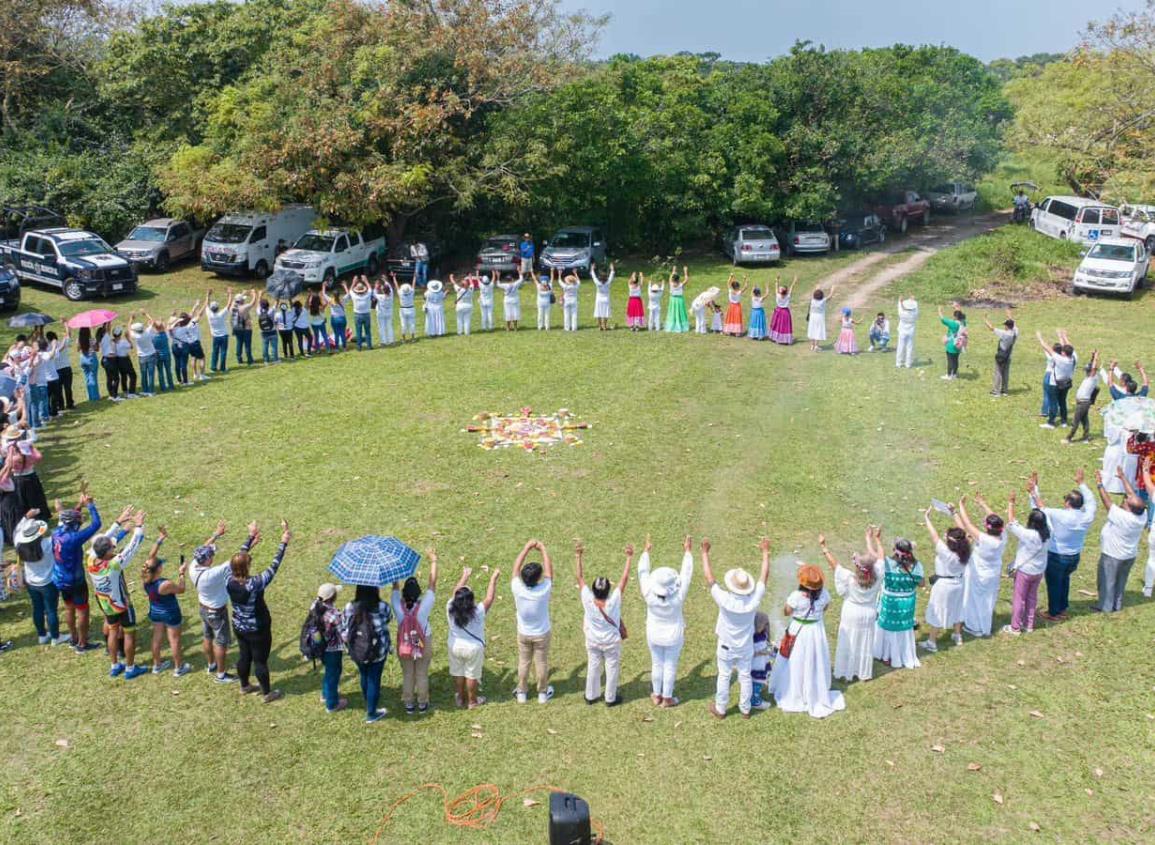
(511, 304)
(1119, 541)
(602, 625)
(664, 592)
(800, 679)
(412, 609)
(570, 289)
(211, 583)
(68, 541)
(252, 622)
(602, 287)
(106, 567)
(1068, 526)
(532, 586)
(901, 578)
(859, 587)
(737, 605)
(985, 572)
(466, 637)
(945, 608)
(485, 300)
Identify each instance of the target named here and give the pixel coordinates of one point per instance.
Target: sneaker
(376, 717)
(410, 709)
(63, 639)
(211, 668)
(764, 704)
(224, 678)
(1007, 629)
(956, 639)
(423, 709)
(84, 648)
(134, 672)
(477, 702)
(182, 670)
(591, 701)
(1146, 593)
(520, 696)
(342, 703)
(275, 695)
(543, 697)
(928, 645)
(161, 667)
(249, 689)
(1045, 425)
(116, 669)
(45, 640)
(945, 378)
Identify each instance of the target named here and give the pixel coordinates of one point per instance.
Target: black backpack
(364, 644)
(265, 321)
(312, 641)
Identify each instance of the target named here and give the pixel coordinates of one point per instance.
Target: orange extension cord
(476, 808)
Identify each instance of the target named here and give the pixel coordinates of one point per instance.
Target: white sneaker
(63, 639)
(45, 640)
(1045, 425)
(956, 639)
(928, 645)
(1007, 629)
(543, 697)
(945, 378)
(1146, 593)
(520, 696)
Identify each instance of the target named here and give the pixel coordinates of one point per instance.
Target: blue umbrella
(374, 561)
(30, 320)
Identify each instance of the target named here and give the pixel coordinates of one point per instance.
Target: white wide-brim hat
(434, 286)
(739, 582)
(664, 582)
(31, 531)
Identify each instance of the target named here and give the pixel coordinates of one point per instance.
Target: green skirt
(677, 320)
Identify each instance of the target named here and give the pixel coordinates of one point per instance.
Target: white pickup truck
(1138, 223)
(324, 255)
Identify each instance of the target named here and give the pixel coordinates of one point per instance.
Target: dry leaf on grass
(1088, 594)
(1037, 714)
(647, 718)
(63, 743)
(1097, 772)
(974, 767)
(477, 735)
(890, 763)
(551, 731)
(938, 749)
(998, 798)
(707, 757)
(475, 727)
(677, 724)
(1020, 663)
(1089, 792)
(528, 802)
(1034, 826)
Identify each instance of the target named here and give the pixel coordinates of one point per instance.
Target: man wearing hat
(211, 583)
(525, 250)
(737, 605)
(68, 567)
(106, 568)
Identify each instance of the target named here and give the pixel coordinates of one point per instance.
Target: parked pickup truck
(80, 263)
(158, 243)
(323, 256)
(905, 208)
(1139, 223)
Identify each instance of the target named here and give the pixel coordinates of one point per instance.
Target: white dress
(512, 302)
(1115, 455)
(602, 298)
(854, 655)
(801, 683)
(816, 324)
(945, 607)
(981, 583)
(434, 313)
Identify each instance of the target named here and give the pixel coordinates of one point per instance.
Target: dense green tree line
(458, 116)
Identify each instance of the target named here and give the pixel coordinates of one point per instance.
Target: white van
(1076, 219)
(322, 256)
(250, 241)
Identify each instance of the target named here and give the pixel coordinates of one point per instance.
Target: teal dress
(677, 318)
(896, 604)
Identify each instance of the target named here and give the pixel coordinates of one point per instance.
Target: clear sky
(755, 30)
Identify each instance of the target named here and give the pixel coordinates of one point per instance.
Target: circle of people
(794, 669)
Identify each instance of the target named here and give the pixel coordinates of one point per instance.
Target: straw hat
(12, 432)
(810, 577)
(739, 582)
(328, 592)
(663, 582)
(434, 286)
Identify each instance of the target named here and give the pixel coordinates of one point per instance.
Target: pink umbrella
(91, 319)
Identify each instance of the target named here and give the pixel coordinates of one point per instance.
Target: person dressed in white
(463, 303)
(434, 309)
(907, 322)
(511, 304)
(945, 607)
(384, 293)
(544, 302)
(602, 609)
(859, 588)
(465, 637)
(1118, 542)
(485, 298)
(1115, 455)
(800, 679)
(664, 591)
(654, 307)
(602, 297)
(405, 301)
(985, 572)
(1068, 526)
(532, 586)
(816, 321)
(570, 287)
(737, 605)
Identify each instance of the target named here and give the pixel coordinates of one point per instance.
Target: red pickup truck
(907, 207)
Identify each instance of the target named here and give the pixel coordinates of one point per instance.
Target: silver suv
(156, 244)
(574, 248)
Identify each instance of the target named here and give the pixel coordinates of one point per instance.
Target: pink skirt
(782, 326)
(635, 312)
(846, 344)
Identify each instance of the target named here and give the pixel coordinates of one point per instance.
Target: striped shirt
(250, 613)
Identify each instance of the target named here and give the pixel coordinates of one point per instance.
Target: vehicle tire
(162, 262)
(373, 265)
(73, 290)
(926, 217)
(735, 259)
(902, 225)
(262, 269)
(1062, 236)
(1073, 291)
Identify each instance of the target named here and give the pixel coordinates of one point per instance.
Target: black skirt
(10, 513)
(30, 494)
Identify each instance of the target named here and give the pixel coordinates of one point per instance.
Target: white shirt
(106, 350)
(665, 625)
(1031, 556)
(599, 631)
(544, 294)
(282, 320)
(211, 583)
(1064, 367)
(406, 296)
(38, 573)
(947, 563)
(735, 625)
(424, 609)
(385, 302)
(123, 347)
(301, 319)
(143, 342)
(1086, 389)
(907, 314)
(486, 293)
(465, 298)
(532, 606)
(362, 302)
(62, 361)
(46, 372)
(1069, 526)
(569, 292)
(1121, 533)
(218, 322)
(655, 297)
(987, 555)
(472, 634)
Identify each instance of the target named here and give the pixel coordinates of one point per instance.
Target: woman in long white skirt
(816, 319)
(511, 304)
(985, 573)
(434, 309)
(800, 680)
(945, 608)
(902, 575)
(602, 297)
(859, 588)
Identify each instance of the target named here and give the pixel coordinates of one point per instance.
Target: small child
(760, 666)
(655, 306)
(879, 333)
(716, 322)
(847, 344)
(544, 302)
(635, 311)
(757, 327)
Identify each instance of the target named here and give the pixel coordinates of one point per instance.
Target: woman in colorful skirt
(757, 329)
(902, 575)
(635, 308)
(782, 323)
(816, 318)
(733, 324)
(847, 344)
(677, 318)
(859, 587)
(800, 679)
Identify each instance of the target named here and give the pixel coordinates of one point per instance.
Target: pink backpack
(410, 636)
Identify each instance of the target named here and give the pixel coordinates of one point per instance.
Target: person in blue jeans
(337, 318)
(368, 609)
(161, 342)
(1068, 525)
(267, 324)
(243, 326)
(327, 619)
(34, 550)
(89, 364)
(419, 252)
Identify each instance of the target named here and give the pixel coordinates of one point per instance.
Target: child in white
(463, 307)
(485, 295)
(664, 592)
(544, 302)
(602, 298)
(654, 309)
(405, 299)
(570, 287)
(384, 291)
(737, 605)
(716, 323)
(907, 320)
(434, 309)
(602, 627)
(512, 302)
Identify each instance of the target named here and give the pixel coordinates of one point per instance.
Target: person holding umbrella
(89, 364)
(252, 623)
(365, 630)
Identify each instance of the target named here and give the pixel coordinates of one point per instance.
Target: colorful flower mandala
(527, 430)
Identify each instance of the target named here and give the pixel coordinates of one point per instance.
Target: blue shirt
(160, 342)
(526, 249)
(68, 551)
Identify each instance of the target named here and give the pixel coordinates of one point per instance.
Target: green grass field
(706, 436)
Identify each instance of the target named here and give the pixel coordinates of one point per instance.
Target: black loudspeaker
(569, 820)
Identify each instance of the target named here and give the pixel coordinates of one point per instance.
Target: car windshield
(146, 233)
(504, 244)
(808, 227)
(854, 220)
(81, 248)
(570, 240)
(228, 233)
(943, 189)
(315, 243)
(755, 233)
(1113, 252)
